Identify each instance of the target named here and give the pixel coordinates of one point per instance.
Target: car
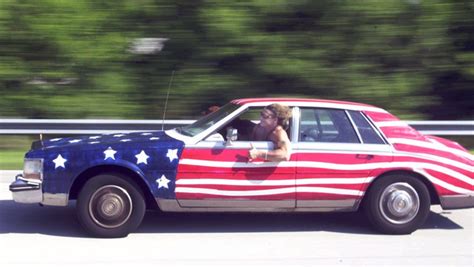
(345, 156)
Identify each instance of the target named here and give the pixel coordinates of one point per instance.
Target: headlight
(33, 169)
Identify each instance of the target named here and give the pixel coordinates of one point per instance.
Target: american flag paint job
(172, 168)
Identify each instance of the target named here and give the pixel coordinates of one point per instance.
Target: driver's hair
(282, 112)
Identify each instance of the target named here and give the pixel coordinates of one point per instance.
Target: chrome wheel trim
(110, 206)
(399, 203)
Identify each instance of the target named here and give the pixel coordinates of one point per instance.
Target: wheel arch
(434, 197)
(125, 172)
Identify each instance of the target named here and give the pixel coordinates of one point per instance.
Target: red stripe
(402, 132)
(379, 116)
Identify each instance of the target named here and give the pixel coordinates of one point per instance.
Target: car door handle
(365, 156)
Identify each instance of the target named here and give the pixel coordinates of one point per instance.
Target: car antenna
(166, 102)
(41, 139)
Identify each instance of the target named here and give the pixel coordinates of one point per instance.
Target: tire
(110, 206)
(397, 204)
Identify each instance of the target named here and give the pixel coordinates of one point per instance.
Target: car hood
(105, 139)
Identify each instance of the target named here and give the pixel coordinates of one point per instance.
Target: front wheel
(110, 206)
(397, 204)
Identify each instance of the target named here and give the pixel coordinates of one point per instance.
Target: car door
(334, 162)
(218, 174)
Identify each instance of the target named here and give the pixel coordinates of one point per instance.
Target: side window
(366, 131)
(244, 124)
(326, 125)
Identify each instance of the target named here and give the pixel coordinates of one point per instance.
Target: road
(50, 236)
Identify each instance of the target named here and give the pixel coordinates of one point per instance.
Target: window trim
(361, 141)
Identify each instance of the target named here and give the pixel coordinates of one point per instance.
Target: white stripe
(431, 146)
(305, 181)
(335, 191)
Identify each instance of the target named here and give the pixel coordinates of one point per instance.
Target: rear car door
(334, 162)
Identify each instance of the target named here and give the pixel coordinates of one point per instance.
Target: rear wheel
(110, 206)
(397, 204)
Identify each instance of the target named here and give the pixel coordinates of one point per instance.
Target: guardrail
(47, 126)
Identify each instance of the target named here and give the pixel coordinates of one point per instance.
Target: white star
(142, 157)
(94, 142)
(118, 135)
(59, 162)
(55, 139)
(146, 133)
(75, 141)
(125, 140)
(154, 138)
(163, 182)
(94, 137)
(109, 153)
(172, 154)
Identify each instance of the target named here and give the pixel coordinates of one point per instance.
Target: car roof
(306, 101)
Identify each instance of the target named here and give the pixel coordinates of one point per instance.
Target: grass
(11, 159)
(13, 149)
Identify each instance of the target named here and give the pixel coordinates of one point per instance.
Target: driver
(274, 120)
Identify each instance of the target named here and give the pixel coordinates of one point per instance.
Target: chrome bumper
(26, 191)
(29, 191)
(457, 202)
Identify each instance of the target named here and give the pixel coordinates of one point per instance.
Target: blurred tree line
(76, 59)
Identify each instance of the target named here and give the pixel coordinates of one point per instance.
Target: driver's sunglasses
(265, 116)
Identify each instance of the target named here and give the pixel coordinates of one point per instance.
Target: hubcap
(399, 203)
(110, 206)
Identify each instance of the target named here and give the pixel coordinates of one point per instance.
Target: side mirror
(231, 135)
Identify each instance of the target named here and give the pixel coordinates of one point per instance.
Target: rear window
(327, 126)
(366, 131)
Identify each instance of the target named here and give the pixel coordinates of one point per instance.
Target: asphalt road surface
(31, 235)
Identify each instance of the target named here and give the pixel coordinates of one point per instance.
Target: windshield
(207, 121)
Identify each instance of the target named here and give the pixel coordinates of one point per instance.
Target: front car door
(337, 151)
(217, 174)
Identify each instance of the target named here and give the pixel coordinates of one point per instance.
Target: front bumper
(26, 191)
(457, 202)
(29, 191)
